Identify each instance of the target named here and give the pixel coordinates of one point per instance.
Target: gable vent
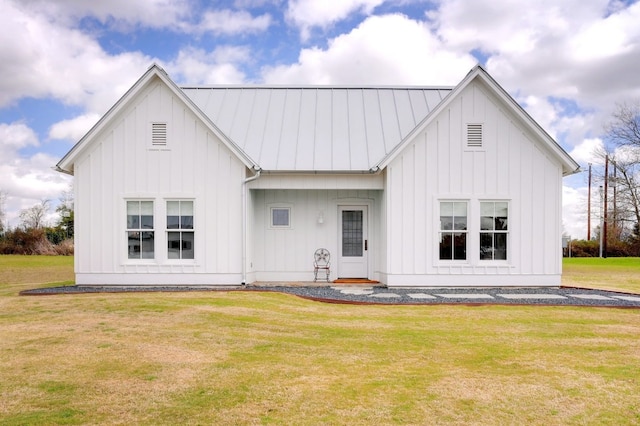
(474, 135)
(158, 134)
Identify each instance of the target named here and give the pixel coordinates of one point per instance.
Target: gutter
(244, 221)
(61, 170)
(578, 170)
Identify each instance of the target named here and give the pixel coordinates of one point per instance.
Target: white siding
(437, 165)
(121, 164)
(287, 254)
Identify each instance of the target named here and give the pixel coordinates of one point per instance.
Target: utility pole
(601, 219)
(615, 206)
(606, 187)
(589, 208)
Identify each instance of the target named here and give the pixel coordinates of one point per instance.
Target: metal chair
(321, 262)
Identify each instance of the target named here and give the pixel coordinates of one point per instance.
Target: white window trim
(280, 207)
(506, 261)
(166, 258)
(438, 227)
(473, 231)
(125, 242)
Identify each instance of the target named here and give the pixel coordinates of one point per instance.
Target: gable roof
(154, 72)
(478, 73)
(318, 129)
(304, 128)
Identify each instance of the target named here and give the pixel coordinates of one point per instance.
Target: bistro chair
(321, 262)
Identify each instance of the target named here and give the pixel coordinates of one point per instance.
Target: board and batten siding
(286, 254)
(122, 164)
(438, 165)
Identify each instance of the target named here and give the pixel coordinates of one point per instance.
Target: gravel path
(359, 294)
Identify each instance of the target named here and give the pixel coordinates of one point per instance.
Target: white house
(409, 186)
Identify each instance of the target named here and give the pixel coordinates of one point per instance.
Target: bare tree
(623, 137)
(624, 128)
(66, 199)
(3, 199)
(33, 218)
(625, 181)
(65, 209)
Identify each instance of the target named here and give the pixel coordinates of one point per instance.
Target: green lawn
(265, 358)
(612, 273)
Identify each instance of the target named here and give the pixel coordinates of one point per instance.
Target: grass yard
(612, 273)
(266, 358)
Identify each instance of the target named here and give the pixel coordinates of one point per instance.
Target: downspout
(244, 222)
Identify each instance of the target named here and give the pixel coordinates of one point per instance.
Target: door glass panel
(352, 233)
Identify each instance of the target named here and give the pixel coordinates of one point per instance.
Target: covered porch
(290, 216)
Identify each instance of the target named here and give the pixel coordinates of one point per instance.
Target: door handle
(366, 245)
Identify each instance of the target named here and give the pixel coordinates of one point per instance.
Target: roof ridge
(314, 87)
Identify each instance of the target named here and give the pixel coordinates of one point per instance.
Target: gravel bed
(563, 296)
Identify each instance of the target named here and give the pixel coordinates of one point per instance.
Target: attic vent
(159, 134)
(474, 135)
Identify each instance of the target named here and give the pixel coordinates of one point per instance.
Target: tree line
(34, 235)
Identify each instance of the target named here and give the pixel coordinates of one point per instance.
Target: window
(180, 240)
(140, 232)
(352, 233)
(494, 216)
(280, 217)
(453, 230)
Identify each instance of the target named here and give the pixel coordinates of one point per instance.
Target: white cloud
(390, 49)
(232, 22)
(58, 62)
(574, 212)
(542, 111)
(615, 35)
(25, 180)
(126, 14)
(15, 136)
(220, 66)
(504, 26)
(586, 51)
(585, 152)
(322, 13)
(75, 128)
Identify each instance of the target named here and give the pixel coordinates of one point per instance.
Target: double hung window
(140, 231)
(180, 234)
(453, 230)
(494, 230)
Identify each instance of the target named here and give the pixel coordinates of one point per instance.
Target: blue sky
(63, 63)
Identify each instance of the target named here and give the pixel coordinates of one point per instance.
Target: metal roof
(316, 128)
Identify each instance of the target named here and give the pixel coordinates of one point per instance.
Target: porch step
(355, 281)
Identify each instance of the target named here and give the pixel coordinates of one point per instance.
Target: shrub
(65, 247)
(30, 241)
(584, 248)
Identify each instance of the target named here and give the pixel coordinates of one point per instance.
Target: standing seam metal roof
(316, 128)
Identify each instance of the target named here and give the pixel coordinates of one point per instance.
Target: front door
(353, 244)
